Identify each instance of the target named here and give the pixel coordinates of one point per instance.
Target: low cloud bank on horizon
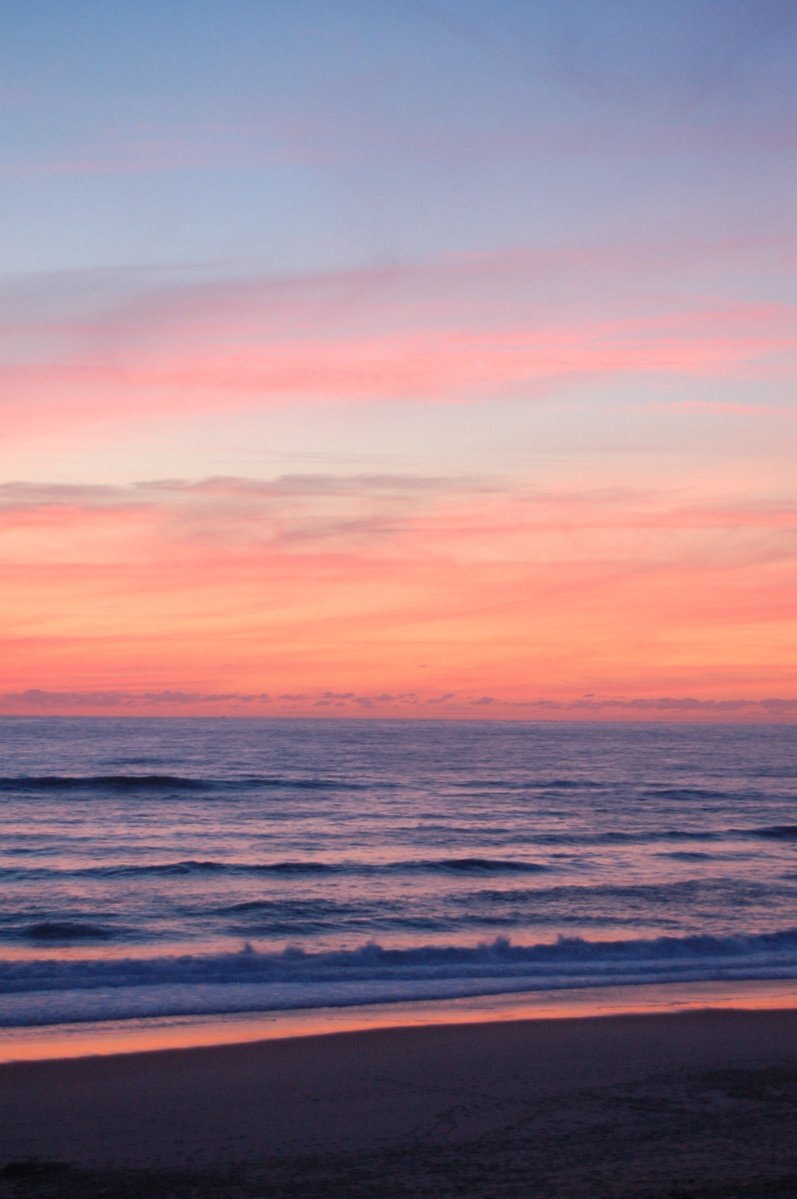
(35, 701)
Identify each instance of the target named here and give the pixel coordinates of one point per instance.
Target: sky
(428, 358)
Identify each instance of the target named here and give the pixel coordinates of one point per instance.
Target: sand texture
(701, 1105)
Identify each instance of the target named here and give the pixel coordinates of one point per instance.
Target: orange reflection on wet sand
(185, 1032)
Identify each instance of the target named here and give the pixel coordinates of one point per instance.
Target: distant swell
(681, 794)
(105, 783)
(777, 832)
(286, 869)
(200, 866)
(475, 866)
(47, 991)
(66, 930)
(549, 784)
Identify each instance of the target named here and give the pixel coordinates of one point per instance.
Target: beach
(699, 1104)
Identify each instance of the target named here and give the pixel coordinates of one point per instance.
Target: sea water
(154, 867)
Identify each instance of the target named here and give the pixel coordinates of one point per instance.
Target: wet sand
(701, 1104)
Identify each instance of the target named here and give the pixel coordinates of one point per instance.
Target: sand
(701, 1104)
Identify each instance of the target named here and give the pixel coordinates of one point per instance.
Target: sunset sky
(399, 357)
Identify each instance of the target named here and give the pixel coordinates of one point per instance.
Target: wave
(47, 991)
(673, 892)
(287, 868)
(67, 930)
(686, 793)
(781, 832)
(548, 784)
(168, 782)
(775, 832)
(115, 782)
(473, 866)
(194, 866)
(689, 855)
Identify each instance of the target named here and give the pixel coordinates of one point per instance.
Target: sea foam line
(47, 991)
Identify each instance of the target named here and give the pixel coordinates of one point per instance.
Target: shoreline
(699, 1103)
(152, 1034)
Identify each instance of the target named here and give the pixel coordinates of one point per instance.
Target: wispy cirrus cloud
(30, 496)
(445, 366)
(229, 512)
(455, 329)
(452, 508)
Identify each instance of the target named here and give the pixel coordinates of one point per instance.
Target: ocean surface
(174, 867)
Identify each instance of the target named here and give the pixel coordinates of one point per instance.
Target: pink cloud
(516, 323)
(444, 365)
(320, 506)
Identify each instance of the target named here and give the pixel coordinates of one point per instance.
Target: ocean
(154, 867)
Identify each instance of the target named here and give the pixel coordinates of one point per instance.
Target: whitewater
(154, 868)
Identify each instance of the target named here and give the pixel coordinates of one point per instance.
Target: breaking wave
(46, 991)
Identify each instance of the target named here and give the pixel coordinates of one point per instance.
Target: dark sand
(701, 1104)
